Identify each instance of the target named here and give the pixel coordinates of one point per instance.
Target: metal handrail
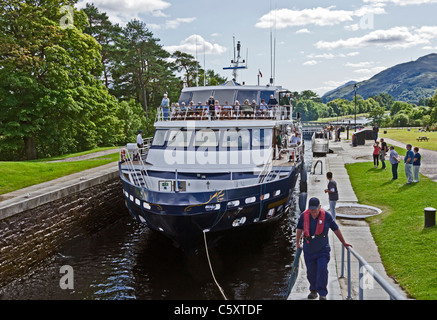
(277, 112)
(388, 288)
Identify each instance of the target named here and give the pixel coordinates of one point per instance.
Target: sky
(317, 45)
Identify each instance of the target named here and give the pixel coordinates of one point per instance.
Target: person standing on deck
(314, 224)
(165, 104)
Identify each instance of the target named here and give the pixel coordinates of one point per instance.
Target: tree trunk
(30, 148)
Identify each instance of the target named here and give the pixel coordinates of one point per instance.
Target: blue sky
(320, 45)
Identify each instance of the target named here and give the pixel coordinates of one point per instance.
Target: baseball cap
(313, 204)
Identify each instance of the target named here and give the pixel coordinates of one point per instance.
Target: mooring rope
(210, 267)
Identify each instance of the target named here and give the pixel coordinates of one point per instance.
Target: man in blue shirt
(314, 224)
(409, 164)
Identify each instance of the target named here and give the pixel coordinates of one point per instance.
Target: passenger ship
(205, 172)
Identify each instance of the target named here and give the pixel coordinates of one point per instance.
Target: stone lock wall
(34, 234)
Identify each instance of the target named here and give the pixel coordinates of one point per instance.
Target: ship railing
(235, 112)
(134, 158)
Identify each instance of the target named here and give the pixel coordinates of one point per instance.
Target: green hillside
(407, 82)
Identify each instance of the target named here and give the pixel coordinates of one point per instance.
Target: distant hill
(408, 82)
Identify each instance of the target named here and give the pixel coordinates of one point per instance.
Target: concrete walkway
(355, 231)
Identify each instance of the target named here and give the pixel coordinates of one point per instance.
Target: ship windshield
(247, 94)
(262, 138)
(179, 138)
(159, 138)
(236, 139)
(201, 96)
(206, 138)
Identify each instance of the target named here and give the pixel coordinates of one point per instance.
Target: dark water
(128, 261)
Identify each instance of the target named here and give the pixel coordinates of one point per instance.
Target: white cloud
(174, 24)
(302, 31)
(123, 11)
(310, 63)
(397, 37)
(194, 41)
(401, 2)
(283, 18)
(360, 64)
(373, 70)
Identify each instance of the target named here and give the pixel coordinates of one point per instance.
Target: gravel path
(87, 156)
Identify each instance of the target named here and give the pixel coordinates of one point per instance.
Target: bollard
(429, 217)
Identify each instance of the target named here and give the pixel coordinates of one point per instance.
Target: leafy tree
(107, 35)
(50, 100)
(188, 64)
(142, 71)
(384, 99)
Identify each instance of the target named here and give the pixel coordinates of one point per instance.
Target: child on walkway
(376, 149)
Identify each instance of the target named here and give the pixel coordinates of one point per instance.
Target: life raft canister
(306, 224)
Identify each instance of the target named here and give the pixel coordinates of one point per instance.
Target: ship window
(179, 138)
(159, 138)
(206, 138)
(201, 96)
(262, 137)
(250, 200)
(236, 139)
(224, 95)
(185, 97)
(247, 94)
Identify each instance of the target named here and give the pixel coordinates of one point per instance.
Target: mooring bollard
(429, 217)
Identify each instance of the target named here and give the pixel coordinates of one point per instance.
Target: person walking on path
(376, 149)
(416, 164)
(314, 224)
(394, 161)
(383, 152)
(332, 192)
(375, 131)
(408, 160)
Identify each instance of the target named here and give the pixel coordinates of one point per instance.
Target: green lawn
(411, 137)
(407, 249)
(18, 175)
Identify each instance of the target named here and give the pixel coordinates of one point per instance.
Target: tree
(142, 71)
(188, 64)
(50, 100)
(107, 35)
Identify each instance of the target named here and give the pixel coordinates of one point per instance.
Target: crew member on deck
(314, 224)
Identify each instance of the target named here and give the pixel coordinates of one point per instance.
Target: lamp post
(355, 94)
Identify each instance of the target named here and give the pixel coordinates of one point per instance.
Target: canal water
(127, 261)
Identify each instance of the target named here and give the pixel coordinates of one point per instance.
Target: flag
(260, 73)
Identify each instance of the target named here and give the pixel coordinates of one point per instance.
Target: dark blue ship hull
(184, 217)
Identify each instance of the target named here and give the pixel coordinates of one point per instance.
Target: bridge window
(159, 138)
(206, 138)
(179, 138)
(262, 138)
(236, 139)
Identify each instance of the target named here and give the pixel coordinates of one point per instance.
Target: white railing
(235, 113)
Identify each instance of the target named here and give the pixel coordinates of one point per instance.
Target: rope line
(210, 267)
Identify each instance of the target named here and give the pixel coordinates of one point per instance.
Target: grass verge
(18, 175)
(407, 249)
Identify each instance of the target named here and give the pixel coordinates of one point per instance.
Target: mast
(236, 63)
